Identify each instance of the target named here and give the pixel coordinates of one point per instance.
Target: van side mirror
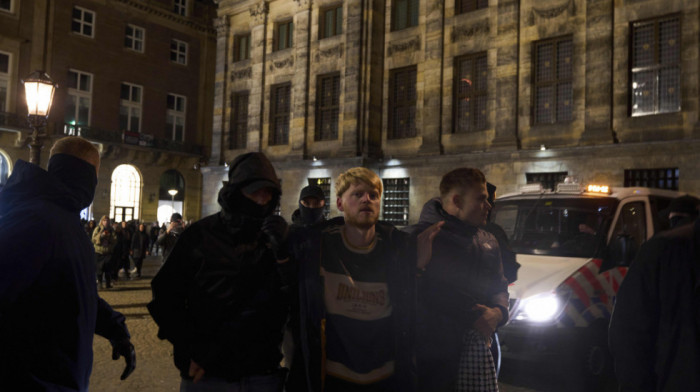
(620, 252)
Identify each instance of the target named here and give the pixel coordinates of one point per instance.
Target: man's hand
(172, 226)
(488, 321)
(276, 229)
(124, 348)
(425, 244)
(196, 371)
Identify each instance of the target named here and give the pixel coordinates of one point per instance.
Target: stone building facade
(134, 77)
(602, 91)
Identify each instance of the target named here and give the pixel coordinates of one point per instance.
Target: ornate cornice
(244, 73)
(221, 24)
(259, 11)
(197, 25)
(286, 62)
(553, 12)
(459, 32)
(332, 52)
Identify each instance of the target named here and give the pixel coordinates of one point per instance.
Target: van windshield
(557, 226)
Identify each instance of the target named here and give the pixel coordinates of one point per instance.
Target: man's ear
(456, 200)
(339, 204)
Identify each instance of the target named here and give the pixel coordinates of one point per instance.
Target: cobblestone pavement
(155, 371)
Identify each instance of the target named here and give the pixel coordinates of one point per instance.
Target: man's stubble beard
(362, 223)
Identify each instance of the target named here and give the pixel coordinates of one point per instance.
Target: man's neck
(359, 237)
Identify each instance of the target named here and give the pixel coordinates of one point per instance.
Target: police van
(574, 245)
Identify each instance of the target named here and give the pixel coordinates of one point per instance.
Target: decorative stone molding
(553, 12)
(259, 11)
(413, 44)
(330, 53)
(302, 4)
(287, 62)
(221, 25)
(196, 24)
(437, 5)
(244, 73)
(460, 32)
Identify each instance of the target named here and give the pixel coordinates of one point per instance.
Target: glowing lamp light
(39, 89)
(172, 192)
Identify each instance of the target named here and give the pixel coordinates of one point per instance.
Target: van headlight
(540, 308)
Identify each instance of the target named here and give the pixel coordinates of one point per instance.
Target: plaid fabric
(477, 372)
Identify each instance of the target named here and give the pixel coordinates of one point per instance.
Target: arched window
(126, 194)
(171, 195)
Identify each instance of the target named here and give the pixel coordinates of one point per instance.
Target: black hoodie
(49, 307)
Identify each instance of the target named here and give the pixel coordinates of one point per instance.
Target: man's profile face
(360, 205)
(312, 202)
(261, 197)
(474, 205)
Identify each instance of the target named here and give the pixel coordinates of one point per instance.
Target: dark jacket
(139, 244)
(49, 307)
(168, 240)
(465, 270)
(306, 372)
(655, 326)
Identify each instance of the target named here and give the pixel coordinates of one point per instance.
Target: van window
(632, 224)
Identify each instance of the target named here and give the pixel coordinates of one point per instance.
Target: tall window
(125, 202)
(327, 107)
(280, 110)
(239, 120)
(178, 51)
(396, 200)
(549, 180)
(402, 103)
(6, 5)
(553, 94)
(656, 66)
(242, 47)
(4, 81)
(331, 22)
(470, 93)
(175, 117)
(325, 184)
(666, 178)
(78, 102)
(134, 38)
(463, 6)
(284, 38)
(404, 14)
(180, 7)
(83, 22)
(130, 109)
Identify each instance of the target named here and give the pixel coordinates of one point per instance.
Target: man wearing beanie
(312, 203)
(220, 297)
(49, 307)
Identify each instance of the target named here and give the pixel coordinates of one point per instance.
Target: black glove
(124, 348)
(275, 228)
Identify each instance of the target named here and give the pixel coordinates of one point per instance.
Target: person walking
(139, 249)
(220, 297)
(49, 306)
(104, 240)
(463, 295)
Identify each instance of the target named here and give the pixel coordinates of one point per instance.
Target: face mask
(77, 175)
(310, 215)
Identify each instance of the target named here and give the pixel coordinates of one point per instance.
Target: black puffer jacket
(219, 297)
(465, 269)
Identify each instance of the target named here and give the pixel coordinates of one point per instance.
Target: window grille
(239, 120)
(471, 76)
(325, 184)
(402, 103)
(331, 22)
(655, 66)
(549, 180)
(327, 107)
(404, 14)
(665, 178)
(396, 200)
(279, 114)
(553, 92)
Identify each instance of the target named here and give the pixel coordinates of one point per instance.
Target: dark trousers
(104, 268)
(138, 263)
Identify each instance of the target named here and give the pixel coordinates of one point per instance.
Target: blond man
(356, 294)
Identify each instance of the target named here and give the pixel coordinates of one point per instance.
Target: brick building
(135, 78)
(526, 90)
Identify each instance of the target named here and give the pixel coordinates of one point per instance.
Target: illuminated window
(78, 102)
(396, 200)
(178, 51)
(402, 103)
(549, 180)
(130, 108)
(4, 80)
(553, 93)
(665, 178)
(656, 66)
(325, 184)
(175, 117)
(83, 22)
(470, 93)
(134, 38)
(125, 194)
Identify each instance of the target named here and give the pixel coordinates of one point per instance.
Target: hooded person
(312, 202)
(220, 298)
(682, 210)
(49, 307)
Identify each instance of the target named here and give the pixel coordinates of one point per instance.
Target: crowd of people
(351, 303)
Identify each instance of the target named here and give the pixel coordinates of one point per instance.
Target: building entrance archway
(125, 203)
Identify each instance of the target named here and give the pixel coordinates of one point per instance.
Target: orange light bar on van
(598, 189)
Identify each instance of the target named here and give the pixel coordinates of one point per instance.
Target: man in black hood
(312, 203)
(220, 297)
(49, 307)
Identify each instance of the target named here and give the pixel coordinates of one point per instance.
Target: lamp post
(172, 193)
(38, 92)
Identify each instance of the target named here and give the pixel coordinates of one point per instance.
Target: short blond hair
(357, 175)
(77, 147)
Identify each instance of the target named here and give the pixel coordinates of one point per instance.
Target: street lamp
(38, 91)
(172, 193)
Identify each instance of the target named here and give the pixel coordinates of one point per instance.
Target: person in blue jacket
(49, 307)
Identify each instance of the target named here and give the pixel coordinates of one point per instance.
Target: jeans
(265, 383)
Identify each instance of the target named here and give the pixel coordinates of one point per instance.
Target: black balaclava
(310, 215)
(78, 176)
